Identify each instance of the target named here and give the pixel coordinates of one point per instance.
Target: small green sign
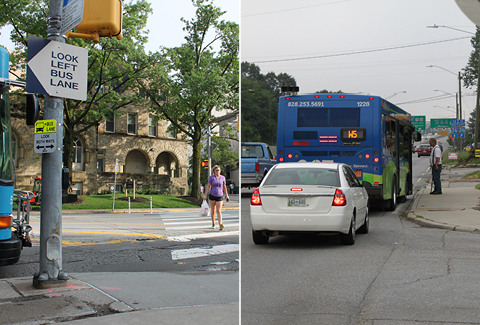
(441, 123)
(419, 122)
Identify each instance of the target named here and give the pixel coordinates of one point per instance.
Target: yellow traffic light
(101, 18)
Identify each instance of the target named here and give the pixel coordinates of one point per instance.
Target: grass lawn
(104, 202)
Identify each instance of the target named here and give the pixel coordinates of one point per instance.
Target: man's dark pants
(436, 178)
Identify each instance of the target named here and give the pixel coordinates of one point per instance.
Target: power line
(363, 51)
(291, 9)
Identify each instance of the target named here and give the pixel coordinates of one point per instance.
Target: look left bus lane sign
(45, 136)
(56, 69)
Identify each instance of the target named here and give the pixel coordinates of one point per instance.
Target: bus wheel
(392, 203)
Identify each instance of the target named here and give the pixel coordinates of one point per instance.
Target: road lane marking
(110, 233)
(187, 238)
(180, 254)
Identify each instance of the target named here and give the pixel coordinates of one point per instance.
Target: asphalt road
(398, 273)
(139, 242)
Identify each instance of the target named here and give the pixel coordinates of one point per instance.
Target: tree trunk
(196, 164)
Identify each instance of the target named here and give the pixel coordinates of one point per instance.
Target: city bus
(368, 133)
(14, 233)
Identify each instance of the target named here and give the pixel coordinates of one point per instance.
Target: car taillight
(339, 199)
(5, 222)
(255, 199)
(257, 167)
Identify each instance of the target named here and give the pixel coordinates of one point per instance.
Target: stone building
(136, 145)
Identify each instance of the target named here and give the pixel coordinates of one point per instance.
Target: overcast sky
(315, 41)
(165, 25)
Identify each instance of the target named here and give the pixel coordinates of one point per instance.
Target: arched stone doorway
(167, 164)
(136, 162)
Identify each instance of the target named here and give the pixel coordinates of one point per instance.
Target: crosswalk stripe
(187, 238)
(181, 254)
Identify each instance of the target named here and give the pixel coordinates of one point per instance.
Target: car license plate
(296, 202)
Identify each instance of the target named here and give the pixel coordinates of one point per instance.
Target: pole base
(41, 281)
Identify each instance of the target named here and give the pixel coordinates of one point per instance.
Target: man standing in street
(436, 165)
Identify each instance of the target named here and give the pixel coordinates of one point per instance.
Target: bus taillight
(376, 159)
(342, 96)
(367, 156)
(280, 159)
(289, 156)
(301, 143)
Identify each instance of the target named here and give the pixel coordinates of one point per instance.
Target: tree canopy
(260, 95)
(114, 66)
(187, 83)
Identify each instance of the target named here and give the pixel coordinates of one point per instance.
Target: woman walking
(216, 187)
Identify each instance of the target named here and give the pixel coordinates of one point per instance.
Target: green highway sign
(441, 123)
(419, 122)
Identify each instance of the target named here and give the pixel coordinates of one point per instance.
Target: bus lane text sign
(56, 69)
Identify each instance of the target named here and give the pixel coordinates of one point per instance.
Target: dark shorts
(215, 198)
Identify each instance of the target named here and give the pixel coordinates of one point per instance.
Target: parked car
(313, 197)
(424, 150)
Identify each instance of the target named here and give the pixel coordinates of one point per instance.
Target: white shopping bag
(204, 209)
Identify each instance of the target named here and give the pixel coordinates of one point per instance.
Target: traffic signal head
(205, 164)
(101, 18)
(33, 109)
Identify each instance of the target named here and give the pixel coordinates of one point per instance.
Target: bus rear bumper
(10, 251)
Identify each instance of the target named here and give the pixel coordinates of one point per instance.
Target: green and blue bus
(370, 134)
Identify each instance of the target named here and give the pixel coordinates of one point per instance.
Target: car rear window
(303, 176)
(253, 151)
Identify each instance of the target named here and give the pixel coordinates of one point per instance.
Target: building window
(110, 123)
(172, 132)
(77, 162)
(152, 126)
(132, 124)
(101, 160)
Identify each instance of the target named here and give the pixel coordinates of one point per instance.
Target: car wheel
(392, 203)
(365, 227)
(349, 239)
(259, 238)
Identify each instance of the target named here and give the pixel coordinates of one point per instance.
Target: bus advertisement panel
(370, 134)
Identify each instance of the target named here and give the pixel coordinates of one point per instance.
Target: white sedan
(310, 197)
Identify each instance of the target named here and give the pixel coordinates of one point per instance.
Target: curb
(434, 224)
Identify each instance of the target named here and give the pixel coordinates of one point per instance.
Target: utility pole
(51, 273)
(475, 145)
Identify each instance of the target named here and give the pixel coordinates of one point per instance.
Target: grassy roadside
(463, 158)
(104, 202)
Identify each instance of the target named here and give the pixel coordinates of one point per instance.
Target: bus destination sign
(349, 134)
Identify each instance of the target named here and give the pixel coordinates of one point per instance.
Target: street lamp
(459, 104)
(478, 86)
(400, 92)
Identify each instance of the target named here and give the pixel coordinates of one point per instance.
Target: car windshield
(303, 176)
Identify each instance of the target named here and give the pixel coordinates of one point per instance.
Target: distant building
(145, 150)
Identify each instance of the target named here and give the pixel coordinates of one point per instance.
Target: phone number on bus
(319, 104)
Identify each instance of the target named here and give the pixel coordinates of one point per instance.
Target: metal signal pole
(51, 273)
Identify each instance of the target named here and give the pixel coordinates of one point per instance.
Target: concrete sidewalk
(124, 298)
(458, 208)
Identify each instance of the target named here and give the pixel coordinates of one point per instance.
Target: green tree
(195, 78)
(115, 71)
(260, 94)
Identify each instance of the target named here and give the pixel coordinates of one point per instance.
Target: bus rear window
(308, 117)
